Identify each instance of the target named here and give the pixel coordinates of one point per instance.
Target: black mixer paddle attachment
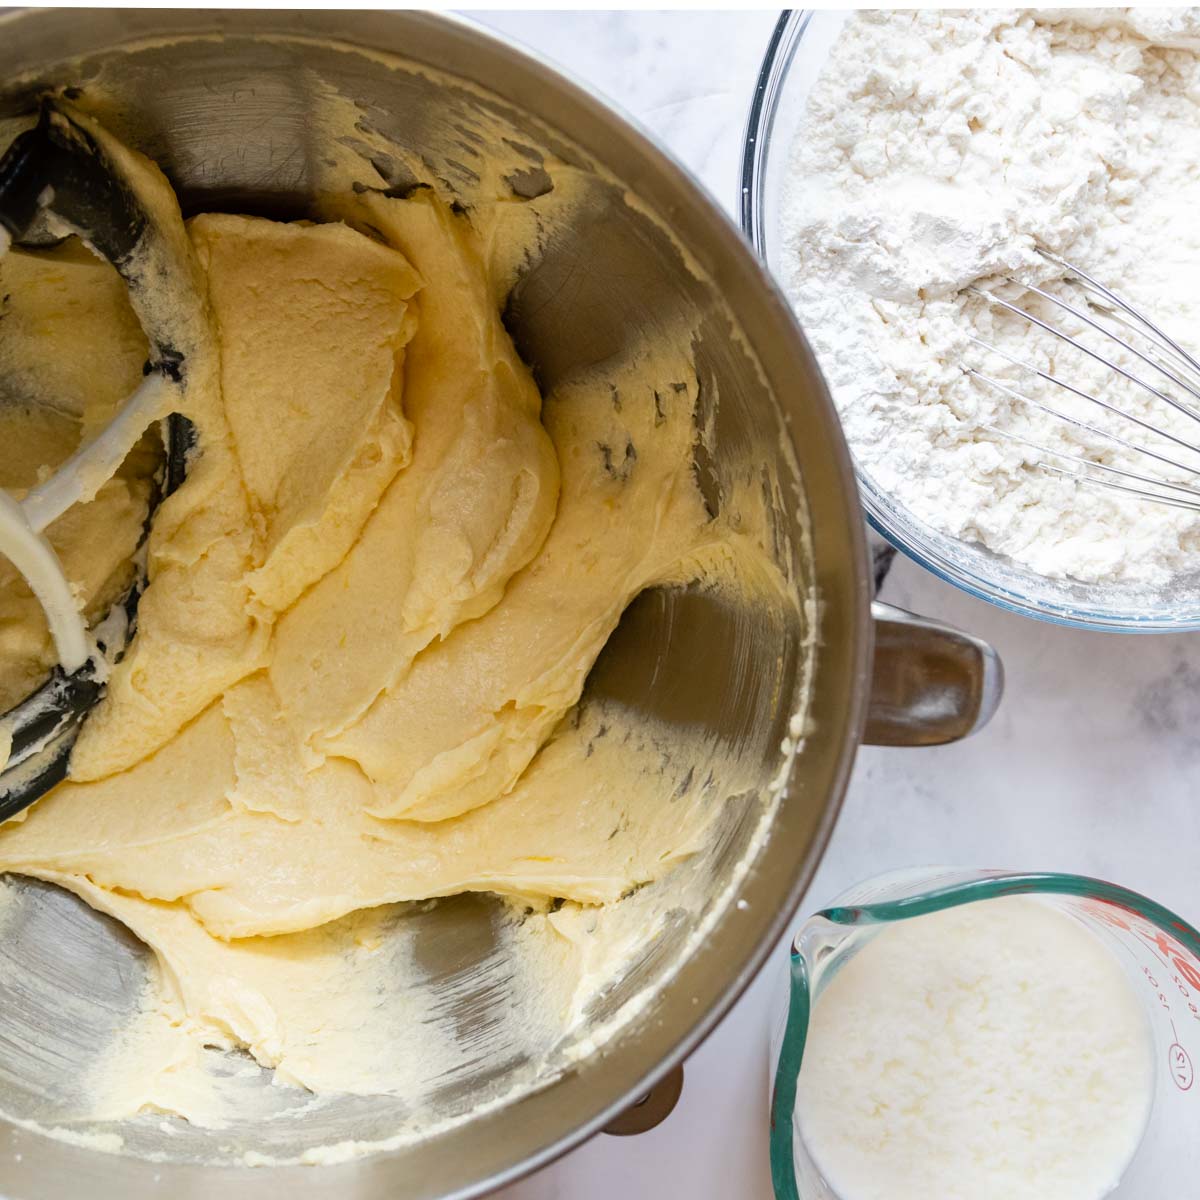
(67, 177)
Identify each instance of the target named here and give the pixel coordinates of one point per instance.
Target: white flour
(938, 148)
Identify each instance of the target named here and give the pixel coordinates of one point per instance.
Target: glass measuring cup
(1159, 951)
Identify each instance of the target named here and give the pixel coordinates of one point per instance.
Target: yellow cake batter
(372, 608)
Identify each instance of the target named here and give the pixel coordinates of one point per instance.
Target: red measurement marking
(1172, 952)
(1182, 1072)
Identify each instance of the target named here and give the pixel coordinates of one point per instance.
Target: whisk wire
(1171, 501)
(1128, 309)
(1149, 426)
(1107, 468)
(1180, 364)
(1120, 323)
(1108, 333)
(992, 298)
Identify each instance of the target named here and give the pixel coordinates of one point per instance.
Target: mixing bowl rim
(786, 36)
(728, 248)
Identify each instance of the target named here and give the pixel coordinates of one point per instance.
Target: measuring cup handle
(931, 683)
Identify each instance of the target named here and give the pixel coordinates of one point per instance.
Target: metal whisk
(1173, 380)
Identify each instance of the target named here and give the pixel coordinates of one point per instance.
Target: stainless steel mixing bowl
(233, 106)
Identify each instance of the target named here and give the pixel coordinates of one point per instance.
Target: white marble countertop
(1085, 768)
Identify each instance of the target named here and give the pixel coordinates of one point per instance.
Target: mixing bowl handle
(931, 683)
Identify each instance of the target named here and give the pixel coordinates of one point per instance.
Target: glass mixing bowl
(799, 46)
